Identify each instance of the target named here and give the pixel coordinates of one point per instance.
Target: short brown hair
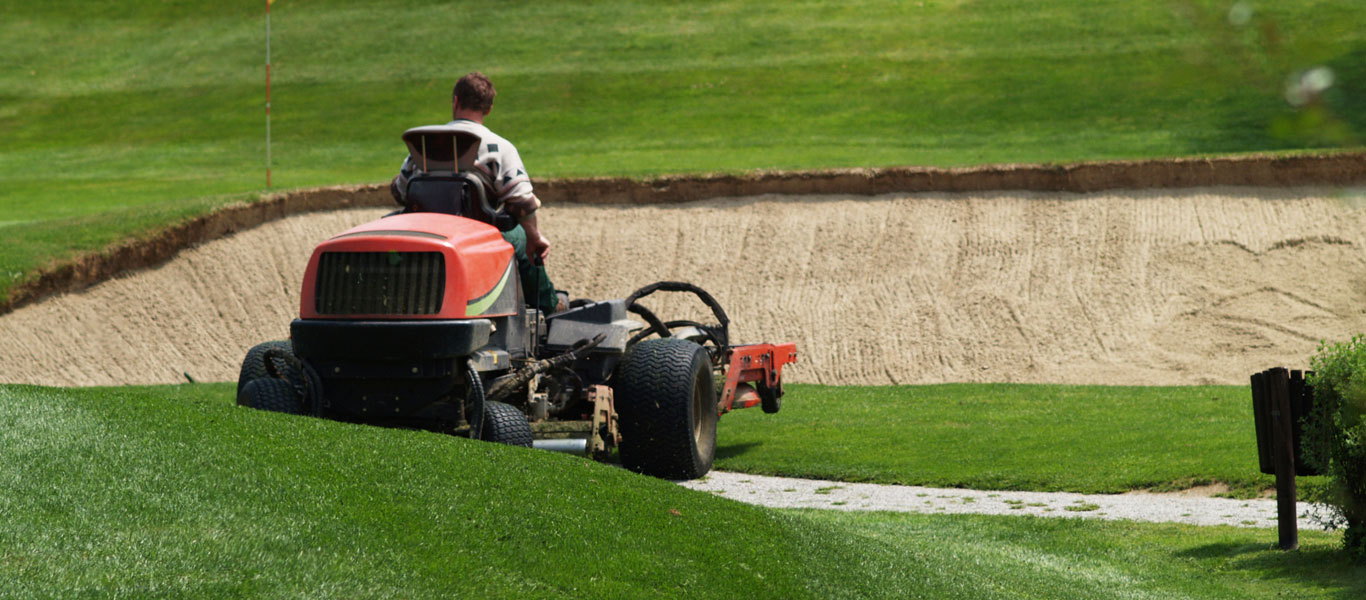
(474, 91)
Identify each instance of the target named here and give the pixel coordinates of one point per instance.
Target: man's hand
(537, 246)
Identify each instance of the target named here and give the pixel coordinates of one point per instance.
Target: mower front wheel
(504, 424)
(666, 403)
(254, 365)
(268, 393)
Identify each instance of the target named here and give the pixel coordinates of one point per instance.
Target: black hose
(313, 395)
(655, 325)
(710, 331)
(720, 333)
(476, 397)
(311, 386)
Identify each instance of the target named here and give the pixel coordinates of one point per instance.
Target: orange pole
(268, 3)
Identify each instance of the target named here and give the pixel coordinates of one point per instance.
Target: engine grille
(380, 283)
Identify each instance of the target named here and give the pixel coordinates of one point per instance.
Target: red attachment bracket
(761, 364)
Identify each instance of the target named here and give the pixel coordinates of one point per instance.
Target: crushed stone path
(784, 492)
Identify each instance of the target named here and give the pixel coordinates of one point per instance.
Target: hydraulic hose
(476, 398)
(311, 386)
(720, 334)
(505, 386)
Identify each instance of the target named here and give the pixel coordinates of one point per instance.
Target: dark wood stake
(1284, 454)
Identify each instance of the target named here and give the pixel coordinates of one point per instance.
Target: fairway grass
(175, 491)
(117, 119)
(1087, 439)
(977, 556)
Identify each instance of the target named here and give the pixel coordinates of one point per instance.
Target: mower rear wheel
(269, 393)
(505, 424)
(666, 405)
(254, 365)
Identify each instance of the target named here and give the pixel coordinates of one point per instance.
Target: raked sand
(1141, 287)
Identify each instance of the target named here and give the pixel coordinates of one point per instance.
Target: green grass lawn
(119, 118)
(1090, 439)
(175, 491)
(1029, 557)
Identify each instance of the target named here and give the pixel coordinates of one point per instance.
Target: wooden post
(1284, 454)
(1261, 417)
(268, 3)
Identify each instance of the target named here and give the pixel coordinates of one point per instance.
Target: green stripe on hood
(477, 306)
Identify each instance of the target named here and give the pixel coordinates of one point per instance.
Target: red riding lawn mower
(417, 320)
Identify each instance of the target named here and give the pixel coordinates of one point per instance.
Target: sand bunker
(1151, 288)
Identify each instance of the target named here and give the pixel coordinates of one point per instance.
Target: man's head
(473, 95)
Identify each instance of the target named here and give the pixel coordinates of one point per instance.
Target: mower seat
(446, 180)
(464, 194)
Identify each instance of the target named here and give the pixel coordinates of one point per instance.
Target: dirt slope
(1146, 287)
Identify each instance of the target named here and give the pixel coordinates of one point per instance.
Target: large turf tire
(254, 365)
(269, 393)
(666, 406)
(505, 424)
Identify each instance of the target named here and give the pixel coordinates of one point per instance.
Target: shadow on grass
(1328, 569)
(734, 450)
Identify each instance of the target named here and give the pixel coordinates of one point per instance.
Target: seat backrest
(438, 192)
(445, 178)
(467, 194)
(441, 148)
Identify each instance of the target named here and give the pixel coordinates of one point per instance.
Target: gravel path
(783, 492)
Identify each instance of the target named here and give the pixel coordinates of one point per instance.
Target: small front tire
(268, 393)
(504, 424)
(254, 364)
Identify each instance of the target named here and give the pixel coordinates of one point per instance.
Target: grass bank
(174, 491)
(1089, 439)
(117, 119)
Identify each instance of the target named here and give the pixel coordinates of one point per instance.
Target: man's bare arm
(537, 246)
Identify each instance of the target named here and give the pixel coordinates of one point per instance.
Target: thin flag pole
(268, 3)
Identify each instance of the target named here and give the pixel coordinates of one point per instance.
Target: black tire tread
(654, 388)
(504, 424)
(269, 393)
(254, 365)
(771, 400)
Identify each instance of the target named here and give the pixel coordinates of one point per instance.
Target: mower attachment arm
(760, 364)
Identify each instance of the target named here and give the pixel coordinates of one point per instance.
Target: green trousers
(537, 291)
